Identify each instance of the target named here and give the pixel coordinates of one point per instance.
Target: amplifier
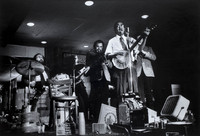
(139, 117)
(175, 106)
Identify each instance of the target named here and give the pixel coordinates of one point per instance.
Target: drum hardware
(11, 69)
(29, 68)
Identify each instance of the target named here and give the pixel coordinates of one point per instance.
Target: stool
(69, 100)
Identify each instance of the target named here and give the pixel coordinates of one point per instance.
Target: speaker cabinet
(175, 106)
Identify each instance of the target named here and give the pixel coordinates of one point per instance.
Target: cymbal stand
(29, 80)
(74, 80)
(10, 86)
(74, 87)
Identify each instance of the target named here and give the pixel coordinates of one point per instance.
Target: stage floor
(115, 131)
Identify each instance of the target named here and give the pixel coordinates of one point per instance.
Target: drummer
(38, 82)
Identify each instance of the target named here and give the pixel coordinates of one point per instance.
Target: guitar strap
(106, 72)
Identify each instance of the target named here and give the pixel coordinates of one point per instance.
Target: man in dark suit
(99, 85)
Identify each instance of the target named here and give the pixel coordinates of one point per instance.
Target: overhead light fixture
(85, 46)
(144, 16)
(89, 2)
(43, 42)
(30, 24)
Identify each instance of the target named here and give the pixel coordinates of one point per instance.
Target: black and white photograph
(99, 67)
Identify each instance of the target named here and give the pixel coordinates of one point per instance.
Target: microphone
(127, 30)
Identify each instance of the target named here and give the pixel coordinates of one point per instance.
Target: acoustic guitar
(122, 59)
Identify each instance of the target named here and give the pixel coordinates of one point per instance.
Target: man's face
(119, 28)
(99, 48)
(40, 58)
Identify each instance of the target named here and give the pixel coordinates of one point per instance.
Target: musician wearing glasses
(124, 76)
(99, 78)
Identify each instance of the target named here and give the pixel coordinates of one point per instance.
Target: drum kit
(26, 68)
(29, 68)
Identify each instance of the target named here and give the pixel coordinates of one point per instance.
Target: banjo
(122, 59)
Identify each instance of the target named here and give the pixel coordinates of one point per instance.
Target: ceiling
(70, 24)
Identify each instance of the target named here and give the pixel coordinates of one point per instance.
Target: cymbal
(9, 74)
(31, 67)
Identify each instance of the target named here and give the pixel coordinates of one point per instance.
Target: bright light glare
(89, 3)
(85, 46)
(144, 16)
(44, 42)
(30, 24)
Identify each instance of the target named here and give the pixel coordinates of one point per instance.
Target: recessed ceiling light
(144, 16)
(30, 24)
(85, 46)
(44, 42)
(89, 2)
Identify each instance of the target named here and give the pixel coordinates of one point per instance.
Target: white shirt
(114, 45)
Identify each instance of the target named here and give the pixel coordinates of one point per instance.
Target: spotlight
(89, 2)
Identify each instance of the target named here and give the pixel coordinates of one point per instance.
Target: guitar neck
(142, 36)
(137, 41)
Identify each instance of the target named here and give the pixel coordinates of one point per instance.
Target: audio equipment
(175, 106)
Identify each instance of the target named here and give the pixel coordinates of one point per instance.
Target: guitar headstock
(152, 27)
(148, 30)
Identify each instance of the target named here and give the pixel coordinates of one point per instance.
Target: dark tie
(123, 44)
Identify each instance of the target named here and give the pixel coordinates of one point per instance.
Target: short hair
(96, 42)
(37, 55)
(115, 24)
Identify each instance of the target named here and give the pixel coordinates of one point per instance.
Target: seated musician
(38, 82)
(124, 76)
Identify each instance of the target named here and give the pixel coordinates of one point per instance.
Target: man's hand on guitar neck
(147, 31)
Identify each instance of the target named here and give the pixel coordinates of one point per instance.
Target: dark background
(67, 25)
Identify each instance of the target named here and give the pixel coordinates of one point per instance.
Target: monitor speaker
(175, 106)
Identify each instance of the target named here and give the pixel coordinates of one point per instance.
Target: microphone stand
(130, 66)
(74, 88)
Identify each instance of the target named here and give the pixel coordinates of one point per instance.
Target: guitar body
(122, 61)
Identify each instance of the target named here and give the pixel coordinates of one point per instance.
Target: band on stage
(111, 73)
